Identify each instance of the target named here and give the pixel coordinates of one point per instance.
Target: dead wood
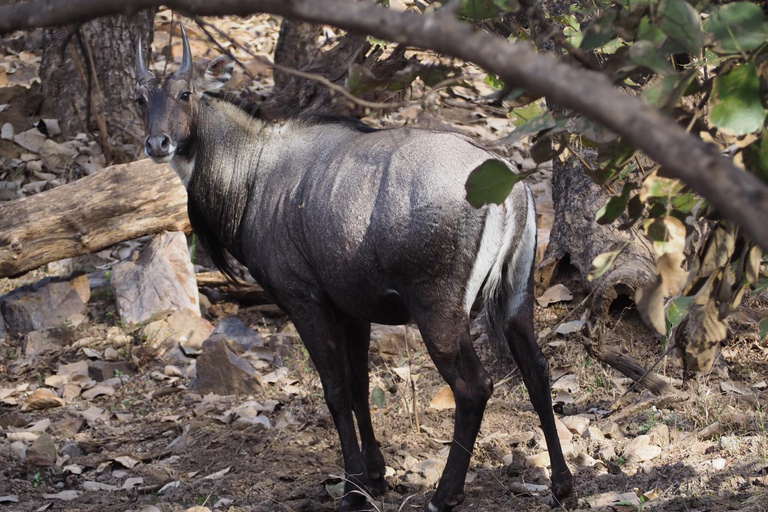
(120, 203)
(241, 290)
(576, 239)
(628, 366)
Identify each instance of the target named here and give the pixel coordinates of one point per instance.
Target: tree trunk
(576, 240)
(88, 79)
(297, 46)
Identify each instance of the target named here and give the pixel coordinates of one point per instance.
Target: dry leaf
(570, 327)
(556, 293)
(218, 474)
(443, 399)
(127, 461)
(98, 486)
(42, 398)
(63, 496)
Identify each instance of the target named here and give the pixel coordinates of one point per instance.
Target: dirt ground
(156, 442)
(163, 432)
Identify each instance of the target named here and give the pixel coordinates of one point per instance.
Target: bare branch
(738, 195)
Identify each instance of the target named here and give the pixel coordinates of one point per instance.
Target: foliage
(706, 66)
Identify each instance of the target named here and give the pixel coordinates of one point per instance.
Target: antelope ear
(218, 72)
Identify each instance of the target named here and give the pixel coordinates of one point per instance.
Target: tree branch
(738, 195)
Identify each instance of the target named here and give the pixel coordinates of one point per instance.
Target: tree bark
(297, 46)
(117, 204)
(88, 79)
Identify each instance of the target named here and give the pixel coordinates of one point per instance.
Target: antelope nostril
(164, 143)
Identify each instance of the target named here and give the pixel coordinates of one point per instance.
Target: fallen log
(120, 203)
(243, 291)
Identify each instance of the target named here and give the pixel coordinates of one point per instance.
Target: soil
(295, 464)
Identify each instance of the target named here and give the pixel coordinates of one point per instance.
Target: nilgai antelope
(345, 225)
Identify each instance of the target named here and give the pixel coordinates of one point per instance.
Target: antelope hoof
(448, 505)
(377, 484)
(354, 502)
(563, 497)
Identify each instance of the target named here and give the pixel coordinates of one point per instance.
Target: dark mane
(243, 104)
(351, 122)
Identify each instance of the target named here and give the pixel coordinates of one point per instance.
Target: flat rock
(576, 424)
(183, 329)
(640, 449)
(540, 460)
(55, 155)
(594, 433)
(31, 140)
(161, 279)
(42, 452)
(238, 333)
(103, 370)
(45, 304)
(562, 431)
(66, 428)
(389, 340)
(221, 371)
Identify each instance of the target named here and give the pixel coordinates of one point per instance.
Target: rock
(729, 443)
(72, 449)
(73, 369)
(538, 475)
(55, 155)
(161, 279)
(31, 140)
(67, 428)
(221, 371)
(389, 340)
(640, 449)
(6, 132)
(430, 470)
(607, 454)
(594, 433)
(42, 452)
(19, 449)
(184, 329)
(45, 304)
(584, 460)
(103, 370)
(540, 460)
(718, 463)
(659, 435)
(515, 461)
(612, 431)
(562, 431)
(39, 342)
(576, 424)
(239, 333)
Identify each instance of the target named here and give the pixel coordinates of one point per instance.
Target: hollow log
(120, 203)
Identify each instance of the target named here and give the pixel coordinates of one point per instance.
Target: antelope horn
(186, 59)
(142, 72)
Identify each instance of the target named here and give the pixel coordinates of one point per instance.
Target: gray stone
(161, 279)
(238, 333)
(40, 342)
(183, 329)
(221, 371)
(45, 304)
(103, 370)
(42, 452)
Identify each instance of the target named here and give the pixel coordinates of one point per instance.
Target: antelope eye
(140, 101)
(184, 96)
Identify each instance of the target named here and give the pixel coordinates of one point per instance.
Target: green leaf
(735, 105)
(614, 207)
(539, 123)
(645, 53)
(756, 157)
(678, 309)
(763, 327)
(599, 32)
(611, 158)
(494, 81)
(524, 114)
(738, 27)
(491, 182)
(665, 93)
(680, 21)
(479, 10)
(649, 31)
(685, 202)
(378, 397)
(603, 263)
